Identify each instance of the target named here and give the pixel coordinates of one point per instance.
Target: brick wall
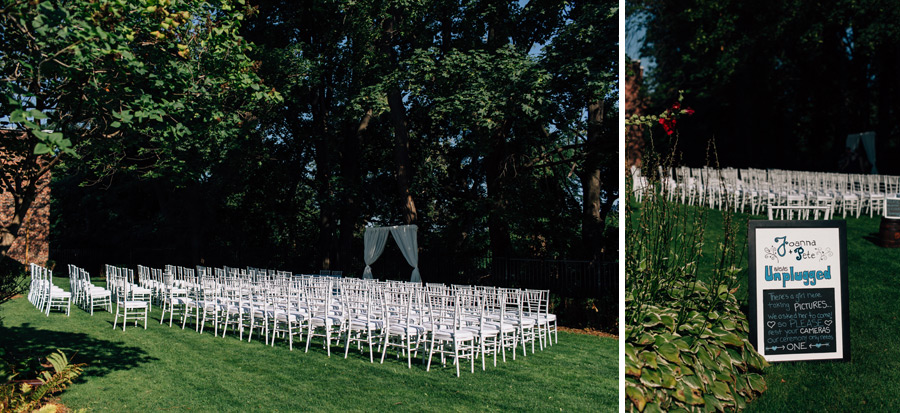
(32, 245)
(634, 105)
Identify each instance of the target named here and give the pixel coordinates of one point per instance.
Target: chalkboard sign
(798, 290)
(892, 207)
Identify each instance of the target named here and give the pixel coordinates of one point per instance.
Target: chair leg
(430, 354)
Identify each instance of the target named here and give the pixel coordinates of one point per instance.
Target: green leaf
(668, 321)
(41, 149)
(636, 395)
(688, 395)
(721, 391)
(669, 352)
(756, 382)
(55, 138)
(651, 378)
(649, 359)
(36, 114)
(713, 403)
(17, 116)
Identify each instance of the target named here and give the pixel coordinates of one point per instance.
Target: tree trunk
(323, 157)
(495, 173)
(350, 169)
(401, 156)
(592, 223)
(197, 222)
(401, 130)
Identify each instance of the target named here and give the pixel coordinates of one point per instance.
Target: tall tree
(796, 76)
(125, 85)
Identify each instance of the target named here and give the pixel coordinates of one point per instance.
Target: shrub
(29, 395)
(702, 363)
(685, 337)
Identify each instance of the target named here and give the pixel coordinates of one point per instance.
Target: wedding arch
(375, 239)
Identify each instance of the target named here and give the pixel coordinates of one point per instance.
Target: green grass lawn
(870, 381)
(165, 368)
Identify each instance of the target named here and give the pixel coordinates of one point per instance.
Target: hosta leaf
(650, 377)
(667, 380)
(645, 339)
(653, 408)
(649, 359)
(681, 343)
(739, 403)
(663, 338)
(669, 352)
(756, 382)
(668, 321)
(732, 339)
(727, 324)
(688, 395)
(692, 381)
(734, 357)
(650, 319)
(721, 391)
(632, 370)
(630, 351)
(636, 395)
(713, 404)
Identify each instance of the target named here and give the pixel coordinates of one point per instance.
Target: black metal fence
(568, 278)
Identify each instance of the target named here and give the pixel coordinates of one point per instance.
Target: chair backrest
(443, 311)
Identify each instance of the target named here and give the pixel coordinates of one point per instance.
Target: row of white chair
(467, 322)
(131, 299)
(784, 194)
(44, 295)
(459, 322)
(87, 295)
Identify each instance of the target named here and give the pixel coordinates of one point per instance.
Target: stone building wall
(32, 245)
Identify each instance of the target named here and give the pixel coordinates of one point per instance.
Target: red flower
(676, 105)
(668, 125)
(689, 111)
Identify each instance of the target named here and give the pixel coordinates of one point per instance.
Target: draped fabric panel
(868, 141)
(374, 241)
(405, 235)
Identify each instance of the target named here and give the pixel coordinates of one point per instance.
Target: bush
(28, 395)
(703, 363)
(12, 278)
(685, 337)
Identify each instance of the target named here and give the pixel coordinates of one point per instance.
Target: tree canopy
(154, 88)
(777, 84)
(278, 129)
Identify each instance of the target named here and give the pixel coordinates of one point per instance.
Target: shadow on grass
(873, 238)
(102, 357)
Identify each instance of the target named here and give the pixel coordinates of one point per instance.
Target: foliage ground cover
(165, 368)
(686, 342)
(869, 381)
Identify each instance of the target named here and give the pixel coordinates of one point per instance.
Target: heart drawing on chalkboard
(770, 324)
(828, 323)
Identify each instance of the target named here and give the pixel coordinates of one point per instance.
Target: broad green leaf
(669, 352)
(757, 382)
(17, 115)
(636, 395)
(36, 114)
(721, 391)
(41, 149)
